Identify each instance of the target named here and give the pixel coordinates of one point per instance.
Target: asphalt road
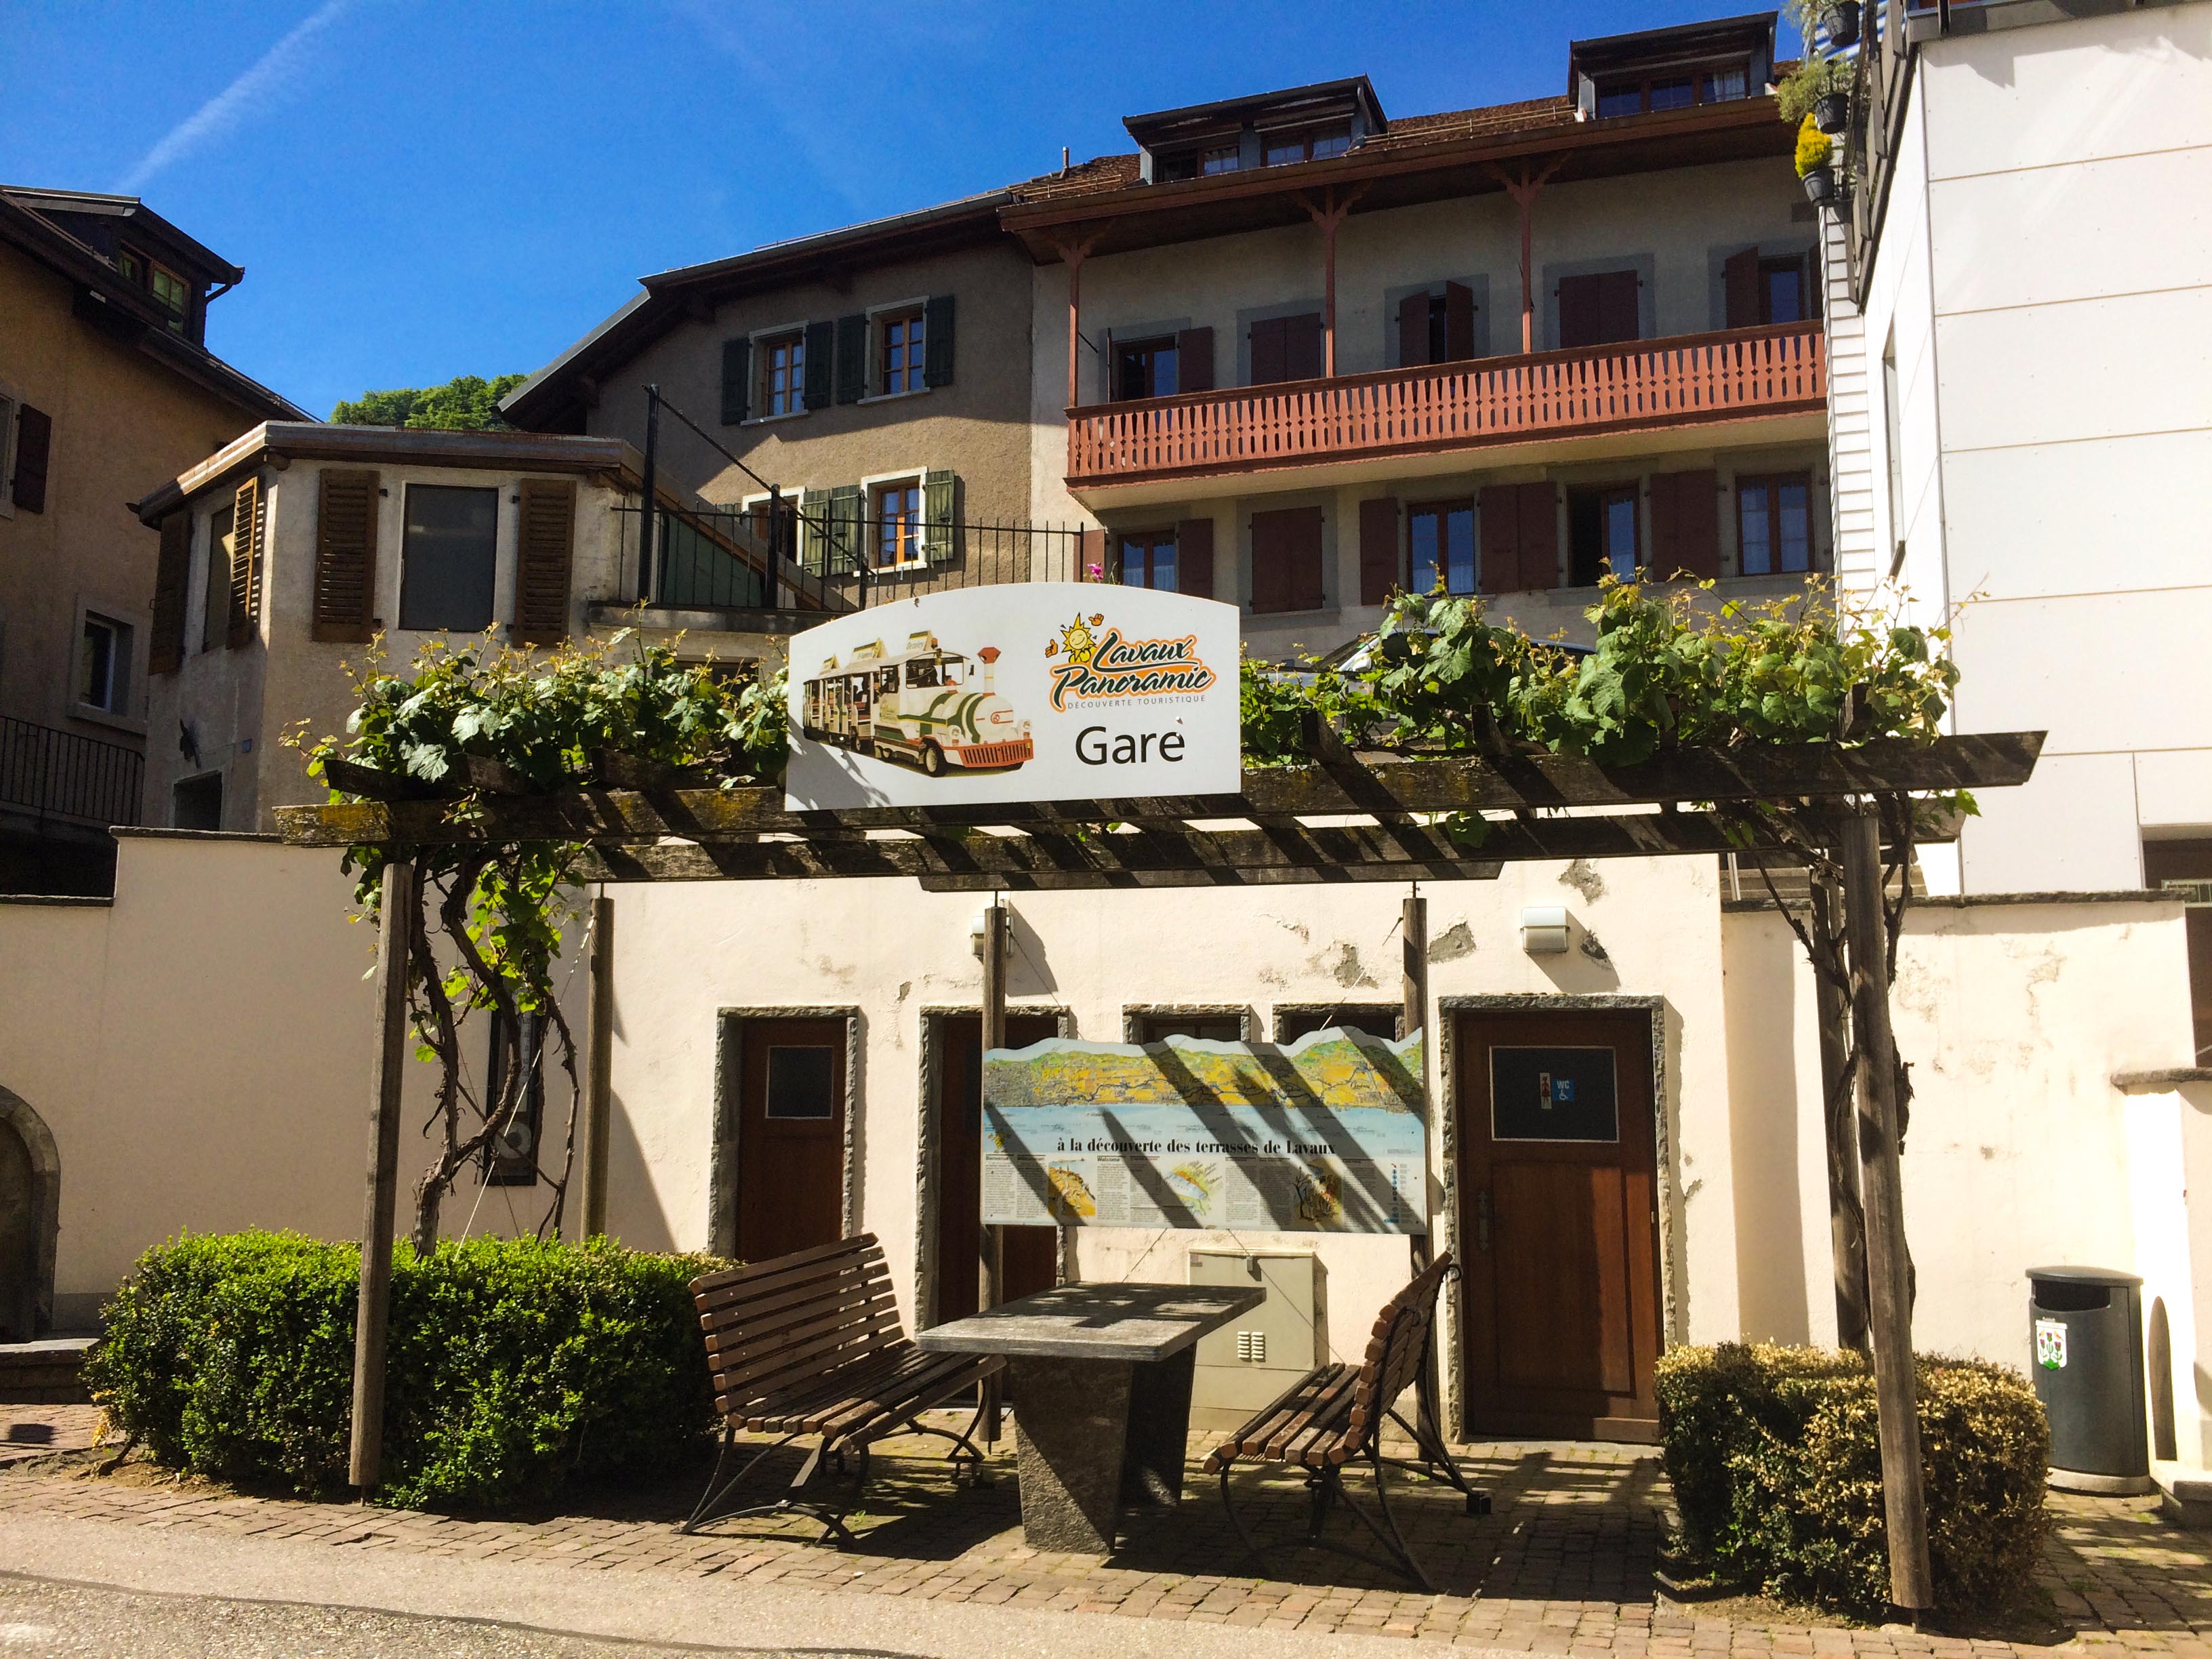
(46, 1617)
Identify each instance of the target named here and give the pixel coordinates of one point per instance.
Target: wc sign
(1022, 691)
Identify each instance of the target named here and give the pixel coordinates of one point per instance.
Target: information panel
(1326, 1134)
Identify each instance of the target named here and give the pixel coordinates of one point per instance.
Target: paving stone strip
(1564, 1564)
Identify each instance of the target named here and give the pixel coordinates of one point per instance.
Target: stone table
(1101, 1377)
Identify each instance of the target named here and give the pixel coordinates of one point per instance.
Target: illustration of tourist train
(925, 706)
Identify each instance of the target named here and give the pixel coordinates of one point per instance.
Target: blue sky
(423, 190)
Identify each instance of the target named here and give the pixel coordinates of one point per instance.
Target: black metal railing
(56, 773)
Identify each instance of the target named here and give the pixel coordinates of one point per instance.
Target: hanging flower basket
(1821, 187)
(1831, 112)
(1841, 20)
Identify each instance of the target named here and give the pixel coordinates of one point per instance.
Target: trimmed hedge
(1777, 1471)
(514, 1366)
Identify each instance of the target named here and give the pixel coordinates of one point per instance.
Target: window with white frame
(783, 372)
(899, 362)
(103, 677)
(894, 514)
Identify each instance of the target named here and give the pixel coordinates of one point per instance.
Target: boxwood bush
(514, 1366)
(1777, 1472)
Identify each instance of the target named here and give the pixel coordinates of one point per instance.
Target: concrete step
(46, 1372)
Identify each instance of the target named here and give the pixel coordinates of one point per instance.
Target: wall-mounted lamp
(1544, 929)
(978, 931)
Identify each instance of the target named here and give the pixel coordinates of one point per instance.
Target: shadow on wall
(1759, 986)
(633, 1211)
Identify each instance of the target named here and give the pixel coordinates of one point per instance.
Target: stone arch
(16, 1118)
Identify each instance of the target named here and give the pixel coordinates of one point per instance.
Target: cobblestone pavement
(1566, 1562)
(31, 1431)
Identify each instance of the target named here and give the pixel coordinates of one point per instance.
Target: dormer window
(171, 292)
(1307, 144)
(1672, 90)
(1199, 163)
(1270, 129)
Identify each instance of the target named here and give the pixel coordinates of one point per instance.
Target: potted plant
(1840, 19)
(1815, 158)
(1831, 112)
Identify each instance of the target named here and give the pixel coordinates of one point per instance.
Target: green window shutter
(852, 359)
(937, 341)
(821, 351)
(813, 536)
(845, 529)
(737, 380)
(940, 516)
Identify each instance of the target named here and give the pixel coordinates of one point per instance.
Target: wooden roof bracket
(1523, 189)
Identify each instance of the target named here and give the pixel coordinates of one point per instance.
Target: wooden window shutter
(544, 557)
(1619, 315)
(1286, 573)
(845, 532)
(1271, 584)
(1500, 510)
(1686, 524)
(1195, 556)
(940, 516)
(345, 556)
(34, 443)
(1109, 392)
(1378, 549)
(1091, 556)
(937, 341)
(1194, 360)
(1740, 280)
(1302, 357)
(1267, 351)
(737, 380)
(821, 358)
(1459, 322)
(852, 361)
(814, 530)
(172, 579)
(1413, 330)
(245, 536)
(1578, 312)
(1539, 536)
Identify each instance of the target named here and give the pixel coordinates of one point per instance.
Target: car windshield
(943, 670)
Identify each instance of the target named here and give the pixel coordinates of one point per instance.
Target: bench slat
(859, 1244)
(724, 1308)
(796, 1324)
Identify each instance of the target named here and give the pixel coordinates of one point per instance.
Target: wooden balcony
(1690, 380)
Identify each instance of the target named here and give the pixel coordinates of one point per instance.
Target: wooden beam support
(387, 1072)
(991, 1269)
(599, 1087)
(1460, 784)
(1904, 1498)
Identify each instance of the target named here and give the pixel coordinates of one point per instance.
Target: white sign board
(1021, 691)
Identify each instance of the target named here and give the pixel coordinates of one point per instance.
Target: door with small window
(791, 1135)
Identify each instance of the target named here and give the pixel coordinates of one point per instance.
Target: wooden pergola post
(387, 1072)
(991, 1239)
(1846, 1212)
(1413, 1017)
(1904, 1502)
(599, 1089)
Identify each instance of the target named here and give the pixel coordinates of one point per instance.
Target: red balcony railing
(1741, 373)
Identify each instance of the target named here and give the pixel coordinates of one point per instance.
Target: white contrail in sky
(270, 78)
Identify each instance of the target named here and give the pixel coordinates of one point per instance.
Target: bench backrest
(1395, 1347)
(778, 1325)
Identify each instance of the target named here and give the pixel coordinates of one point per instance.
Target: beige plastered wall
(975, 427)
(122, 424)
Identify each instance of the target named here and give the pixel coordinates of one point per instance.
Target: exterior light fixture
(1544, 929)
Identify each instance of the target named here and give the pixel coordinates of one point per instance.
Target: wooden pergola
(1346, 818)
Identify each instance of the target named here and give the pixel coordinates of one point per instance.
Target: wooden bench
(810, 1344)
(1335, 1414)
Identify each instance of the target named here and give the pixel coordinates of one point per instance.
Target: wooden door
(791, 1136)
(1030, 1261)
(1558, 1227)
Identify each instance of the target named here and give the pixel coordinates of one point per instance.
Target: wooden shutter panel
(1539, 536)
(1740, 280)
(852, 361)
(245, 564)
(937, 341)
(1459, 322)
(345, 599)
(1618, 313)
(1378, 549)
(821, 361)
(940, 510)
(35, 441)
(814, 530)
(1194, 360)
(1287, 573)
(1302, 357)
(1413, 330)
(1578, 312)
(1267, 351)
(1194, 557)
(1499, 509)
(737, 380)
(544, 557)
(172, 578)
(1686, 524)
(1271, 585)
(846, 530)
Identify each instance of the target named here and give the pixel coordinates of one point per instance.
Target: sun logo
(1077, 639)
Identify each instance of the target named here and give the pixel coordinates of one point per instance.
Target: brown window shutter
(34, 443)
(1194, 360)
(1302, 346)
(1694, 507)
(1271, 585)
(1662, 559)
(1459, 322)
(1286, 573)
(1578, 312)
(1739, 279)
(1090, 556)
(1378, 549)
(1618, 318)
(345, 556)
(1194, 557)
(1267, 351)
(246, 549)
(1499, 511)
(1539, 536)
(1413, 330)
(545, 549)
(172, 578)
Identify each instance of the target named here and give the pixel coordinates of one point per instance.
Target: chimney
(989, 653)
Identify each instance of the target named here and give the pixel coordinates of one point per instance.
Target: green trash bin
(2086, 1334)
